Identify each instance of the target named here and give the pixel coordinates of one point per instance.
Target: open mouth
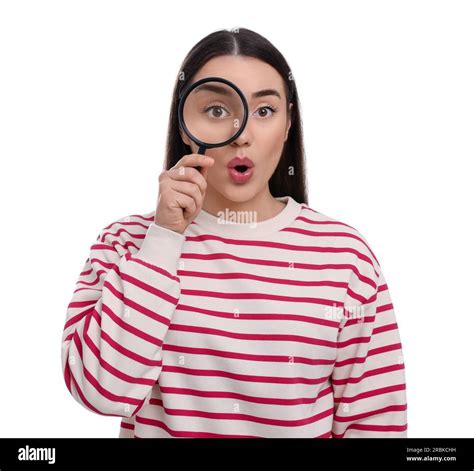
(241, 168)
(241, 173)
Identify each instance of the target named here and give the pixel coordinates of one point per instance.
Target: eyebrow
(266, 92)
(225, 91)
(213, 88)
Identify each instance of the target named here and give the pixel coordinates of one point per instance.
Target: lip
(239, 177)
(240, 161)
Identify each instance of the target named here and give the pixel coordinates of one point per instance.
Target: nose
(245, 137)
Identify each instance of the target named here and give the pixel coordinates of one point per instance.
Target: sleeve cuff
(162, 247)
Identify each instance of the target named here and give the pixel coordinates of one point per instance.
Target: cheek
(218, 170)
(270, 142)
(271, 135)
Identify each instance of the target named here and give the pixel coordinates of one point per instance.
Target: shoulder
(345, 239)
(126, 234)
(325, 225)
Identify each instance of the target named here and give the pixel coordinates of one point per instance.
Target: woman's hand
(181, 192)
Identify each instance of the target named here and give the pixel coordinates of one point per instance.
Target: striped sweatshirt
(281, 328)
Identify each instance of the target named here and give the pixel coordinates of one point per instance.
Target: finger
(194, 160)
(185, 202)
(204, 171)
(188, 188)
(189, 174)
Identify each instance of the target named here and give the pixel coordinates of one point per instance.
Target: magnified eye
(216, 111)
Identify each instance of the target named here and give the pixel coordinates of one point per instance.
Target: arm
(116, 322)
(369, 376)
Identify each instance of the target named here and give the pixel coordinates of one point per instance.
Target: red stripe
(370, 393)
(75, 319)
(101, 247)
(92, 380)
(244, 336)
(374, 351)
(88, 376)
(325, 222)
(67, 372)
(108, 367)
(265, 279)
(138, 307)
(259, 316)
(246, 378)
(85, 401)
(329, 234)
(385, 307)
(273, 297)
(332, 221)
(276, 263)
(384, 328)
(123, 247)
(186, 434)
(129, 353)
(359, 320)
(368, 373)
(122, 225)
(127, 426)
(105, 393)
(247, 356)
(92, 283)
(383, 410)
(250, 418)
(121, 230)
(146, 287)
(282, 246)
(374, 428)
(87, 289)
(85, 273)
(105, 264)
(83, 303)
(357, 296)
(352, 341)
(307, 208)
(130, 328)
(148, 219)
(244, 397)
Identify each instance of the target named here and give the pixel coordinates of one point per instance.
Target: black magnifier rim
(185, 94)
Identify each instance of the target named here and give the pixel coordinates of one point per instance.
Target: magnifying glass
(213, 112)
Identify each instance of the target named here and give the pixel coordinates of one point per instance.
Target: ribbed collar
(249, 228)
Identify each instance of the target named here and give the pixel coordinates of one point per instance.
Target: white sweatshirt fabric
(282, 328)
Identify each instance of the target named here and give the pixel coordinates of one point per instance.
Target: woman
(234, 309)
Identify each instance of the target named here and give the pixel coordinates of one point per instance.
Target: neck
(263, 204)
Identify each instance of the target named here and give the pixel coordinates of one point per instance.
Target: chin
(238, 193)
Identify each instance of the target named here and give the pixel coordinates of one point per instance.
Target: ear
(289, 121)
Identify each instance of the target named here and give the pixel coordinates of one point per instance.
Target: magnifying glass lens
(213, 112)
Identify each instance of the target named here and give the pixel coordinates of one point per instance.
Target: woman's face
(264, 135)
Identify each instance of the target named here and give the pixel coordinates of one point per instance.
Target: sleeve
(368, 378)
(117, 319)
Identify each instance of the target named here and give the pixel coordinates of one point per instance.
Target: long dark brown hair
(289, 177)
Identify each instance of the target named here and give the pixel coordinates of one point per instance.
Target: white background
(387, 97)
